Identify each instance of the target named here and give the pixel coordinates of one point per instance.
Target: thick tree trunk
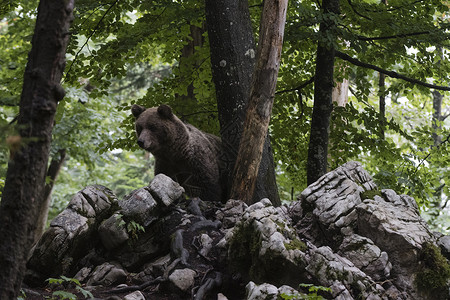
(323, 88)
(261, 100)
(25, 178)
(232, 59)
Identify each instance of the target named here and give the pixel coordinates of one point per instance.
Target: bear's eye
(152, 127)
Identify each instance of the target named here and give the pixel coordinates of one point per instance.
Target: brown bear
(182, 152)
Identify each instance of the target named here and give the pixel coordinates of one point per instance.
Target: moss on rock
(370, 194)
(435, 273)
(296, 244)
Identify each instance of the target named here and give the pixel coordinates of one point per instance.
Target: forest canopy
(152, 52)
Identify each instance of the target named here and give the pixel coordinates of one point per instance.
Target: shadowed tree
(233, 59)
(261, 99)
(323, 89)
(23, 193)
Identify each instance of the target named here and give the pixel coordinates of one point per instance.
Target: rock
(154, 268)
(107, 274)
(165, 190)
(340, 274)
(71, 234)
(343, 236)
(264, 291)
(443, 242)
(221, 296)
(379, 231)
(366, 256)
(139, 207)
(268, 291)
(263, 243)
(205, 244)
(112, 233)
(82, 275)
(183, 278)
(134, 296)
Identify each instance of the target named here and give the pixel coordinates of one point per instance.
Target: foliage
(125, 52)
(311, 295)
(68, 283)
(132, 227)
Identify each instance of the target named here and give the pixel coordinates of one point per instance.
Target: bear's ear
(165, 111)
(137, 110)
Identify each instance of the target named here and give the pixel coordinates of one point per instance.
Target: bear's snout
(141, 143)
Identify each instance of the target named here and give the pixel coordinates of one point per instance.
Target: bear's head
(157, 128)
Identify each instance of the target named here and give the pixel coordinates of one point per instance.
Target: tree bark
(25, 179)
(261, 100)
(323, 88)
(232, 59)
(340, 93)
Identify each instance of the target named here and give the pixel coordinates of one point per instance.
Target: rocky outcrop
(342, 239)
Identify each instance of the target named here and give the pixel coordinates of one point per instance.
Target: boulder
(342, 239)
(71, 234)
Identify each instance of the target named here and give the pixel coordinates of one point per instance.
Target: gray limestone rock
(165, 190)
(139, 206)
(342, 234)
(107, 274)
(70, 233)
(112, 233)
(137, 295)
(183, 278)
(266, 291)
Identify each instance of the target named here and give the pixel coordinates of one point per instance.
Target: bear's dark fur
(181, 151)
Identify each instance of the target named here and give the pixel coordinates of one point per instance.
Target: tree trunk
(52, 174)
(195, 40)
(232, 59)
(25, 179)
(323, 89)
(261, 100)
(437, 117)
(382, 103)
(436, 124)
(340, 93)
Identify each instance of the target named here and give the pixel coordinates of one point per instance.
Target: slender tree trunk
(261, 100)
(437, 117)
(382, 103)
(232, 58)
(52, 174)
(340, 93)
(323, 89)
(437, 108)
(382, 96)
(25, 179)
(196, 40)
(339, 97)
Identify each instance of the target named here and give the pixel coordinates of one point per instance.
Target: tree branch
(391, 74)
(301, 86)
(90, 36)
(429, 153)
(402, 35)
(356, 12)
